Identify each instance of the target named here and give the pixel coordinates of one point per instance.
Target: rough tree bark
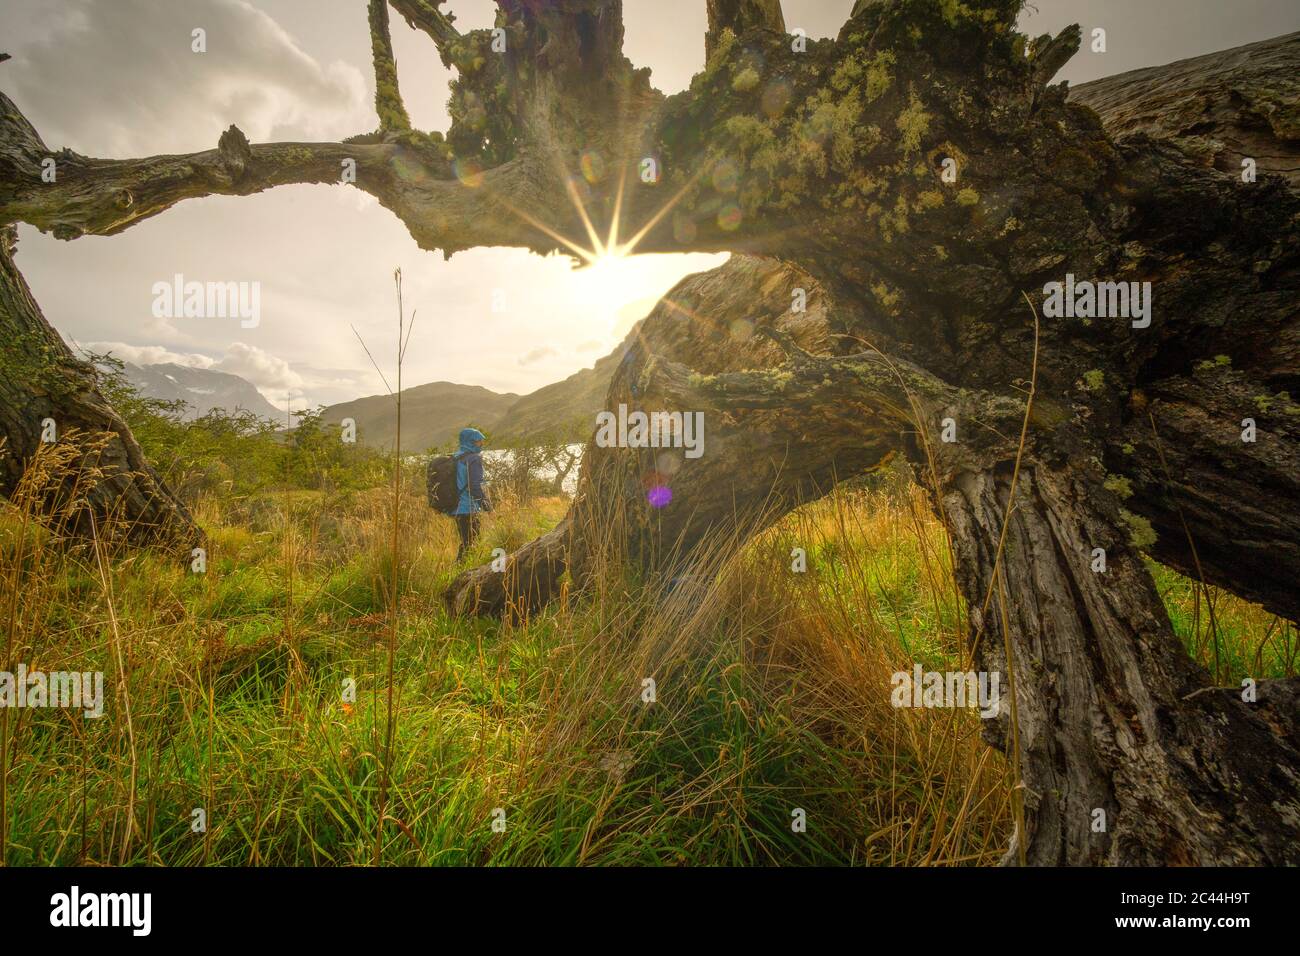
(41, 380)
(828, 157)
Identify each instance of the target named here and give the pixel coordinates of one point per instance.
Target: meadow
(273, 709)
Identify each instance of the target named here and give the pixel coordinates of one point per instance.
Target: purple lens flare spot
(659, 495)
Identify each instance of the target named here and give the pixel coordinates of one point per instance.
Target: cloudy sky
(116, 78)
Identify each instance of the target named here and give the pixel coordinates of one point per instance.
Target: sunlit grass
(772, 695)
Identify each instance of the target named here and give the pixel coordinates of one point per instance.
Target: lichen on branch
(388, 98)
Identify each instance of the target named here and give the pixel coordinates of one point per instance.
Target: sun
(608, 264)
(610, 280)
(612, 292)
(607, 278)
(610, 247)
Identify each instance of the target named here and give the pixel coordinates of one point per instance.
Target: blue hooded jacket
(469, 473)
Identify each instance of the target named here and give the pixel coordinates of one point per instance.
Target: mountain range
(432, 414)
(562, 410)
(200, 388)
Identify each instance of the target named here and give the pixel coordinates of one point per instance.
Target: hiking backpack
(440, 484)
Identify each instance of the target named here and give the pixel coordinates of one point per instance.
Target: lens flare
(469, 171)
(730, 216)
(659, 496)
(726, 176)
(593, 166)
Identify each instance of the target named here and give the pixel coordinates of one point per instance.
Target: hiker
(469, 485)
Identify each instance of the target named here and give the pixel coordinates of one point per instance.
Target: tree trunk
(1210, 497)
(1113, 716)
(531, 579)
(1219, 109)
(1225, 255)
(44, 386)
(769, 441)
(1215, 503)
(1127, 755)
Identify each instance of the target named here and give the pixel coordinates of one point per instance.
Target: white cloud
(533, 356)
(96, 81)
(150, 354)
(272, 375)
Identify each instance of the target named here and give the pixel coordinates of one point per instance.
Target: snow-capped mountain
(203, 389)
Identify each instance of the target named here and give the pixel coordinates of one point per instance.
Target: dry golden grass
(226, 692)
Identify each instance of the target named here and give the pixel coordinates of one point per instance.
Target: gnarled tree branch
(424, 15)
(388, 97)
(105, 196)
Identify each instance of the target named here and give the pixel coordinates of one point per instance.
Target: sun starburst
(609, 248)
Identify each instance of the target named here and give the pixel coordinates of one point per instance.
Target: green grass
(772, 696)
(1249, 641)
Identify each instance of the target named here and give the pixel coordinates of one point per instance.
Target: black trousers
(467, 528)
